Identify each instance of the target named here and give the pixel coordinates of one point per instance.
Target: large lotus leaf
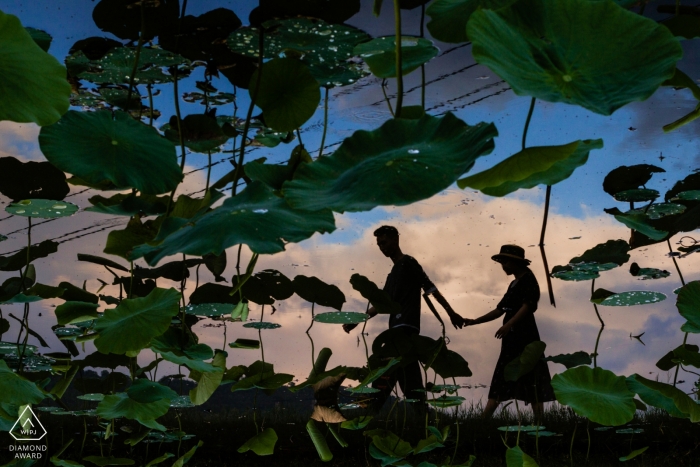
(664, 396)
(96, 147)
(16, 390)
(213, 294)
(570, 273)
(134, 322)
(189, 353)
(208, 382)
(636, 195)
(625, 177)
(380, 54)
(448, 18)
(276, 284)
(389, 443)
(33, 85)
(123, 18)
(515, 457)
(638, 221)
(445, 401)
(128, 205)
(688, 302)
(18, 260)
(632, 298)
(686, 356)
(200, 37)
(312, 289)
(255, 217)
(200, 132)
(596, 394)
(525, 362)
(341, 317)
(121, 405)
(75, 312)
(262, 444)
(571, 360)
(288, 94)
(690, 195)
(612, 251)
(658, 211)
(42, 208)
(122, 242)
(145, 391)
(561, 51)
(667, 361)
(324, 48)
(543, 165)
(117, 65)
(25, 180)
(380, 300)
(448, 364)
(404, 161)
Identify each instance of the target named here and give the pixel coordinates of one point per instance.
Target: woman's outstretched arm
(490, 316)
(524, 309)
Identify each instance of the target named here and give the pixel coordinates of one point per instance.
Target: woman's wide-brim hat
(511, 252)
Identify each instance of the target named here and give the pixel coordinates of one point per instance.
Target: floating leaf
(189, 353)
(636, 195)
(128, 205)
(245, 344)
(638, 221)
(637, 297)
(115, 67)
(571, 360)
(690, 195)
(658, 211)
(596, 394)
(569, 273)
(688, 302)
(380, 54)
(341, 317)
(324, 48)
(612, 251)
(625, 178)
(380, 300)
(633, 454)
(523, 428)
(404, 161)
(75, 312)
(288, 93)
(255, 217)
(93, 397)
(19, 259)
(209, 309)
(525, 362)
(33, 86)
(648, 273)
(145, 391)
(121, 405)
(262, 325)
(31, 180)
(262, 444)
(664, 396)
(312, 289)
(446, 401)
(448, 18)
(43, 208)
(134, 322)
(559, 51)
(543, 165)
(97, 146)
(200, 132)
(515, 457)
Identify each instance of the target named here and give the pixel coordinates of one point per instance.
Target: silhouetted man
(404, 284)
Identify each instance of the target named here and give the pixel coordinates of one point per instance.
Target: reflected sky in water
(453, 234)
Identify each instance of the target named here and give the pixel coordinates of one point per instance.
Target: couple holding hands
(404, 284)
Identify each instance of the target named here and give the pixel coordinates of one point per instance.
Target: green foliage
(128, 205)
(42, 208)
(688, 302)
(571, 360)
(208, 382)
(380, 300)
(200, 133)
(255, 217)
(626, 178)
(558, 51)
(544, 165)
(341, 317)
(595, 393)
(664, 396)
(312, 289)
(262, 444)
(98, 146)
(637, 297)
(515, 457)
(18, 260)
(638, 221)
(288, 93)
(403, 161)
(16, 390)
(380, 54)
(633, 454)
(612, 251)
(449, 18)
(319, 441)
(33, 86)
(175, 348)
(134, 322)
(525, 362)
(75, 312)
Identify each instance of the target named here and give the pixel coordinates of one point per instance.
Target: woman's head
(512, 259)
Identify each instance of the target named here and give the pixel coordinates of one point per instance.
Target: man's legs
(490, 408)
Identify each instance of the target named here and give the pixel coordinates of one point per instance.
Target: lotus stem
(136, 59)
(422, 67)
(542, 252)
(325, 123)
(527, 122)
(399, 60)
(571, 446)
(149, 88)
(386, 98)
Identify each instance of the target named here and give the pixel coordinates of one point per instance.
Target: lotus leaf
(380, 300)
(200, 37)
(95, 147)
(101, 261)
(42, 38)
(632, 298)
(15, 389)
(446, 401)
(380, 54)
(245, 344)
(122, 19)
(525, 362)
(31, 180)
(35, 293)
(324, 48)
(638, 221)
(209, 309)
(657, 211)
(134, 322)
(145, 391)
(543, 165)
(559, 51)
(288, 94)
(545, 433)
(612, 251)
(33, 87)
(636, 195)
(200, 132)
(19, 259)
(633, 454)
(375, 374)
(690, 195)
(121, 405)
(75, 312)
(404, 161)
(276, 284)
(128, 205)
(571, 360)
(428, 444)
(686, 356)
(208, 382)
(647, 273)
(213, 294)
(94, 397)
(691, 328)
(262, 444)
(43, 208)
(448, 18)
(515, 457)
(664, 396)
(255, 217)
(356, 423)
(262, 325)
(523, 428)
(389, 443)
(188, 353)
(313, 289)
(181, 402)
(341, 317)
(596, 394)
(447, 363)
(569, 273)
(116, 66)
(625, 178)
(688, 302)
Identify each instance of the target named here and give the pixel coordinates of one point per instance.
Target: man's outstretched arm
(456, 320)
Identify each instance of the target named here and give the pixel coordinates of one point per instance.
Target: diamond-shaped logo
(28, 427)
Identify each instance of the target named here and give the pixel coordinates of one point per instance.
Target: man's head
(388, 240)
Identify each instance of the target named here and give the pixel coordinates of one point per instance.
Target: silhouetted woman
(519, 329)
